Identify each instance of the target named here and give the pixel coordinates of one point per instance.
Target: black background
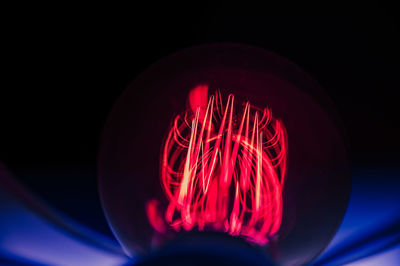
(65, 66)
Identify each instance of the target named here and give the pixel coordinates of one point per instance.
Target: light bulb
(228, 139)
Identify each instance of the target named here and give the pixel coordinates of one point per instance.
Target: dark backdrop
(66, 65)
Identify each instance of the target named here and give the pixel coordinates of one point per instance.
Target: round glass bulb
(226, 139)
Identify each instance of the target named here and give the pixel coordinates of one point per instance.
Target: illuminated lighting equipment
(224, 144)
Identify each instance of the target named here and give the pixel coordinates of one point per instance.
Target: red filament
(223, 169)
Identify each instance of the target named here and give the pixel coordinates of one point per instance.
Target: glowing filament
(222, 170)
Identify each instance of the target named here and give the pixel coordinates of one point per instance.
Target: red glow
(223, 170)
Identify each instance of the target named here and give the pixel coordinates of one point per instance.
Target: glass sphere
(230, 139)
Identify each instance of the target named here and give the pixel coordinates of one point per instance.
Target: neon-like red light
(222, 169)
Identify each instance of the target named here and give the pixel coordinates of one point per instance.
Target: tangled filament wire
(222, 169)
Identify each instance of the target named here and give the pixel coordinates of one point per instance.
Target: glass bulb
(230, 139)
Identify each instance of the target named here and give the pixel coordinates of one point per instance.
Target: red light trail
(222, 170)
